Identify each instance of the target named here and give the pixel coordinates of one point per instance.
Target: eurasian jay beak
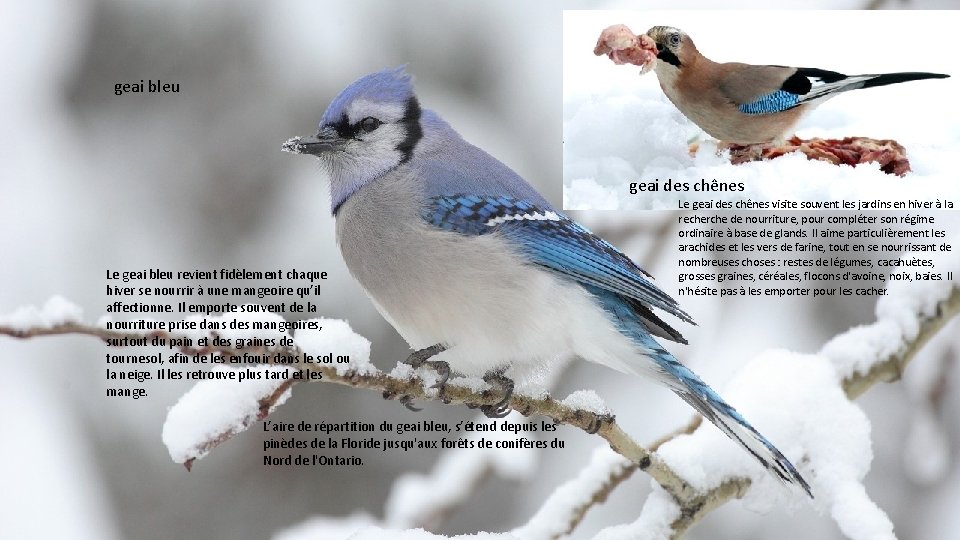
(748, 104)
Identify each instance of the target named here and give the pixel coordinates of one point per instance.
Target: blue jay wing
(553, 240)
(772, 89)
(760, 89)
(774, 102)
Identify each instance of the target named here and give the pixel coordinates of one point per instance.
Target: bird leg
(499, 409)
(407, 402)
(419, 358)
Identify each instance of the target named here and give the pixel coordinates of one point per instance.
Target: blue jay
(467, 261)
(747, 104)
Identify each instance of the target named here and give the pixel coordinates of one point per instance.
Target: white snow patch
(216, 407)
(586, 400)
(377, 533)
(899, 314)
(795, 400)
(553, 518)
(326, 528)
(336, 337)
(361, 526)
(55, 311)
(474, 384)
(403, 372)
(855, 350)
(659, 511)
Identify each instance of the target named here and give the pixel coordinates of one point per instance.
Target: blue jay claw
(417, 358)
(494, 411)
(501, 408)
(407, 402)
(443, 370)
(422, 356)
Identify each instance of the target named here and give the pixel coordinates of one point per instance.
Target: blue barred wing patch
(773, 102)
(550, 239)
(469, 214)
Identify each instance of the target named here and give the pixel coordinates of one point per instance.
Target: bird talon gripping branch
(407, 402)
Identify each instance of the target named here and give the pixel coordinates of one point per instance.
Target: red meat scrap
(853, 151)
(622, 46)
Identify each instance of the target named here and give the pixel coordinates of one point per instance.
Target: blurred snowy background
(94, 181)
(619, 127)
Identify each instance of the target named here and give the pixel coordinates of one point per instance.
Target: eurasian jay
(747, 104)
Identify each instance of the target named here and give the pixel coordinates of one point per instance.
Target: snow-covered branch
(404, 383)
(188, 442)
(892, 367)
(859, 358)
(907, 318)
(566, 507)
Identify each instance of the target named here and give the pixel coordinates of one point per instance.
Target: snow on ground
(618, 127)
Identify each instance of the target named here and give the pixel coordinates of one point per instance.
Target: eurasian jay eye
(744, 103)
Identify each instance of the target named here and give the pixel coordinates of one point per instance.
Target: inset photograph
(813, 109)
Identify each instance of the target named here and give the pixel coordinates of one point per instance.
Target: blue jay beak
(325, 141)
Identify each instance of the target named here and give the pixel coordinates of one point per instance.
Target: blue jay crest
(389, 86)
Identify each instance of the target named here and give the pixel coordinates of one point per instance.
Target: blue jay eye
(369, 124)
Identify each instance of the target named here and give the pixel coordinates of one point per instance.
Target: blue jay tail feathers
(893, 78)
(814, 84)
(686, 384)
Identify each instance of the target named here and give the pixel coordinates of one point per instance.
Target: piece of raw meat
(890, 154)
(624, 47)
